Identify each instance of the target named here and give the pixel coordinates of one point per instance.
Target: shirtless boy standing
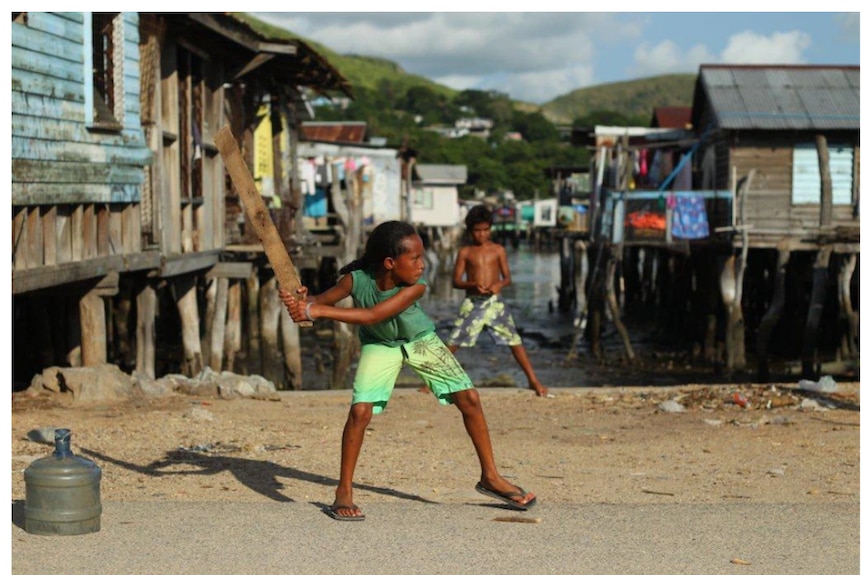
(487, 273)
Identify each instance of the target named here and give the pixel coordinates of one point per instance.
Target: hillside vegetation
(634, 98)
(407, 108)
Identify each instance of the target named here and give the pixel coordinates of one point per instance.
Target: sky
(537, 56)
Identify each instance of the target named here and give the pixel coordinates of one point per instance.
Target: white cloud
(778, 48)
(536, 56)
(504, 51)
(667, 58)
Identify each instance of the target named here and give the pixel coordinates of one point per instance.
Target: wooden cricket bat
(257, 213)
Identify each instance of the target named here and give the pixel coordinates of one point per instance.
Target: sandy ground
(585, 445)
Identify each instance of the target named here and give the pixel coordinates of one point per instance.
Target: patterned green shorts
(379, 366)
(476, 314)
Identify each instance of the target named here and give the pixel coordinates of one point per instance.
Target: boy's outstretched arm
(316, 309)
(329, 297)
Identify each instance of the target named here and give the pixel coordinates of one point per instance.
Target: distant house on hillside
(434, 193)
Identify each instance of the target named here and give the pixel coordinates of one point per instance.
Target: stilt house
(121, 209)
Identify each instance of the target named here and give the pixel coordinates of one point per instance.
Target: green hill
(634, 98)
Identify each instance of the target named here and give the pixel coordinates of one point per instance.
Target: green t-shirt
(409, 325)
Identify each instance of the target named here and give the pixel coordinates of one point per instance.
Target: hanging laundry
(307, 176)
(654, 175)
(682, 180)
(314, 206)
(689, 218)
(646, 221)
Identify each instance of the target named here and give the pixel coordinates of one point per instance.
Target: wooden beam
(235, 270)
(256, 62)
(60, 274)
(186, 263)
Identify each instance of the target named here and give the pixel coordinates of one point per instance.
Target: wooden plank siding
(75, 190)
(769, 212)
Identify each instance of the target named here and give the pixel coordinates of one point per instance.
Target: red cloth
(646, 221)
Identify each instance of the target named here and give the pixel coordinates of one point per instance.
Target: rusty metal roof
(344, 132)
(779, 97)
(671, 117)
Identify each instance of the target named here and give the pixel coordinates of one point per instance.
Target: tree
(534, 127)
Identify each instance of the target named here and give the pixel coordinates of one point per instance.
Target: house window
(423, 198)
(806, 174)
(105, 64)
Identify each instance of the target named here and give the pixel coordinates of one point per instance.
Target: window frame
(103, 70)
(805, 177)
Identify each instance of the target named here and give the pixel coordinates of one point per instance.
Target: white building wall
(440, 210)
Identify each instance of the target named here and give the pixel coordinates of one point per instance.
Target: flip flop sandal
(332, 511)
(506, 497)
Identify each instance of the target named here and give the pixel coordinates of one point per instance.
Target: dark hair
(384, 241)
(478, 215)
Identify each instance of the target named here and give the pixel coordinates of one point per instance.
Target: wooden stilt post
(567, 265)
(211, 293)
(581, 271)
(233, 328)
(216, 337)
(845, 302)
(820, 273)
(711, 304)
(270, 311)
(731, 289)
(773, 314)
(94, 327)
(122, 336)
(596, 300)
(611, 295)
(187, 306)
(252, 285)
(93, 330)
(145, 331)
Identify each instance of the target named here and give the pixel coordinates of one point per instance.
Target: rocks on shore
(108, 382)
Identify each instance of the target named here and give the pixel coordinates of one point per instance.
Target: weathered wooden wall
(75, 189)
(768, 208)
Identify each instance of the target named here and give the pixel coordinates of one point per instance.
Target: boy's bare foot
(423, 389)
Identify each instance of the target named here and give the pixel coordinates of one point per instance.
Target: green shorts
(479, 312)
(379, 366)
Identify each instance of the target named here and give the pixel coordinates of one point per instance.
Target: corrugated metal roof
(781, 97)
(346, 132)
(442, 173)
(671, 117)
